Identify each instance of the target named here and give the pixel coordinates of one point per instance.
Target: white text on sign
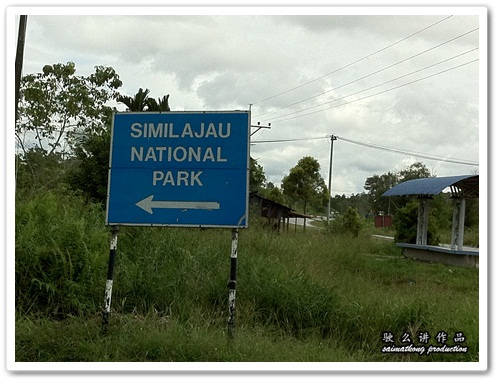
(165, 130)
(182, 178)
(181, 153)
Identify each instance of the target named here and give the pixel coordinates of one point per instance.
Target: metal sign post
(109, 280)
(180, 169)
(232, 283)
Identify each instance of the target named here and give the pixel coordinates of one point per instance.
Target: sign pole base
(109, 280)
(232, 284)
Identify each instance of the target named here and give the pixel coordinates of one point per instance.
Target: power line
(378, 147)
(372, 95)
(287, 140)
(353, 62)
(375, 86)
(377, 71)
(406, 152)
(364, 90)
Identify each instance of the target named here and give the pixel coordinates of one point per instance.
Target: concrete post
(423, 220)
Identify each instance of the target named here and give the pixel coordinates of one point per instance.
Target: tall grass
(60, 255)
(295, 291)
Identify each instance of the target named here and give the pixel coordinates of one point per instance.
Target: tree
(57, 106)
(304, 183)
(406, 221)
(90, 171)
(273, 193)
(378, 185)
(257, 176)
(141, 102)
(36, 171)
(258, 183)
(158, 106)
(351, 222)
(414, 171)
(138, 103)
(361, 203)
(339, 203)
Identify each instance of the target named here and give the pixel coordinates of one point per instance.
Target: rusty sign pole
(109, 280)
(232, 283)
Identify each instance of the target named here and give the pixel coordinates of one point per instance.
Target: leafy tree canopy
(351, 222)
(90, 171)
(257, 176)
(305, 184)
(141, 102)
(57, 107)
(379, 184)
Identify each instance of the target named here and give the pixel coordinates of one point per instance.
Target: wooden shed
(277, 214)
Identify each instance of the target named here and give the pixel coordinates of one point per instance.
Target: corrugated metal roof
(426, 186)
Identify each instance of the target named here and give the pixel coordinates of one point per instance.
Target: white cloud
(345, 64)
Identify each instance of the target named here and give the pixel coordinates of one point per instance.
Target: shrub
(351, 222)
(61, 254)
(406, 222)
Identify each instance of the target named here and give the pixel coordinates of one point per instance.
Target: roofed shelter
(273, 210)
(462, 187)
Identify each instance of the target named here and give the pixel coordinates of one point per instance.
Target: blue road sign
(179, 169)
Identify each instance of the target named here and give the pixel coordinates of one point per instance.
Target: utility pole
(259, 127)
(332, 138)
(19, 56)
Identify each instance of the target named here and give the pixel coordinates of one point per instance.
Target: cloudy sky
(410, 81)
(395, 85)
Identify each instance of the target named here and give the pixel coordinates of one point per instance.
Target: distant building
(278, 215)
(462, 187)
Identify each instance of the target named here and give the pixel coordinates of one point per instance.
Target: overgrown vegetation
(405, 224)
(312, 295)
(302, 296)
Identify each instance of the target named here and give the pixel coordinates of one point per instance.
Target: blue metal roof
(425, 186)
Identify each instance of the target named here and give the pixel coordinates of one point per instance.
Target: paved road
(382, 237)
(300, 222)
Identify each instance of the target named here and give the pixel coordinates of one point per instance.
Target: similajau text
(179, 153)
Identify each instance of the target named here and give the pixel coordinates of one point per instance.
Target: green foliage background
(301, 296)
(313, 295)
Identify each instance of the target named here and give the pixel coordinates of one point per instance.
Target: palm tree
(158, 106)
(137, 103)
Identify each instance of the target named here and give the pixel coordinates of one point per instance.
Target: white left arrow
(147, 204)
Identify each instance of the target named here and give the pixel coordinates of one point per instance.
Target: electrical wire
(353, 62)
(365, 97)
(376, 72)
(287, 140)
(370, 88)
(378, 147)
(409, 152)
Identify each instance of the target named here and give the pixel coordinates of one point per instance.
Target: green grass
(471, 237)
(301, 296)
(158, 339)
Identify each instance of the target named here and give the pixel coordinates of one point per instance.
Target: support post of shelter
(109, 279)
(462, 187)
(423, 220)
(458, 224)
(232, 283)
